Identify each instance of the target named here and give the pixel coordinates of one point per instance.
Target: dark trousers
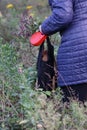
(76, 92)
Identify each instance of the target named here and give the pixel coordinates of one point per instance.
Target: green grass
(21, 106)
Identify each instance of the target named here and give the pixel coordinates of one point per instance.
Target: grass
(21, 106)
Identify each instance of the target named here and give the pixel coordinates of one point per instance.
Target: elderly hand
(40, 29)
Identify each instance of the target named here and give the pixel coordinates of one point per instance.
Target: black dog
(46, 71)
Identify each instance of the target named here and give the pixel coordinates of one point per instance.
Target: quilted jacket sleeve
(62, 14)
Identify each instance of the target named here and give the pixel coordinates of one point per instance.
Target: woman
(69, 17)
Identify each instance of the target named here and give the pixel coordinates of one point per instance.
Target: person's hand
(40, 29)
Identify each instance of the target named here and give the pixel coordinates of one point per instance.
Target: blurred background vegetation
(21, 106)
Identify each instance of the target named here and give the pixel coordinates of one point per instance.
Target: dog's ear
(41, 48)
(50, 50)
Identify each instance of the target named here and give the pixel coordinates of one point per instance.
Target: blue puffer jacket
(70, 18)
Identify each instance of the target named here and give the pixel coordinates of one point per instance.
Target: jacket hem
(72, 83)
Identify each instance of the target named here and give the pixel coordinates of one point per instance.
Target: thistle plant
(27, 25)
